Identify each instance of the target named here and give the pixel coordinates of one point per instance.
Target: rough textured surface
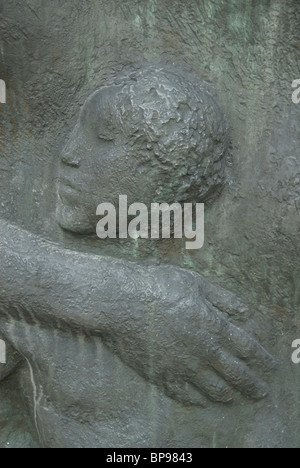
(154, 136)
(53, 55)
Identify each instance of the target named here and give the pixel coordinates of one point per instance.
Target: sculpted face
(158, 138)
(97, 166)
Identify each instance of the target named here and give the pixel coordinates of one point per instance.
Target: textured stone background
(53, 54)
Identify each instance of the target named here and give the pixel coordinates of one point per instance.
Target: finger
(184, 393)
(248, 349)
(239, 376)
(225, 301)
(214, 387)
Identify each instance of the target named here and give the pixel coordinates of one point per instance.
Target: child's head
(156, 137)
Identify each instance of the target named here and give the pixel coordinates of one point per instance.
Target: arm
(43, 281)
(156, 318)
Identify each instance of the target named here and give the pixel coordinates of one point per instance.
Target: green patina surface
(53, 54)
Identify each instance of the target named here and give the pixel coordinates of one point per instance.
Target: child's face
(98, 165)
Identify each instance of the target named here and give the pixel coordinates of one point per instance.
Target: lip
(67, 192)
(65, 184)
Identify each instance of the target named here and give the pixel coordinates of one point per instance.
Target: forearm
(45, 282)
(155, 319)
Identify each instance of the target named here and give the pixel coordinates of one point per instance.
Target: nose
(70, 158)
(71, 154)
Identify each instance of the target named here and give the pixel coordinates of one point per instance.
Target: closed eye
(105, 138)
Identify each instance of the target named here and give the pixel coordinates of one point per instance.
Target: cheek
(112, 173)
(123, 181)
(90, 174)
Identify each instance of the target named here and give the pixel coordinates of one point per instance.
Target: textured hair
(174, 122)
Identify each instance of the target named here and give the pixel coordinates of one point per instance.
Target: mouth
(66, 183)
(66, 190)
(67, 186)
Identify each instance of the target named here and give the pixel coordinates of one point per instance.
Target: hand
(170, 325)
(190, 349)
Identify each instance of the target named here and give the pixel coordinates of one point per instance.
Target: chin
(71, 221)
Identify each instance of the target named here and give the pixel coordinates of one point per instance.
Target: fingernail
(261, 392)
